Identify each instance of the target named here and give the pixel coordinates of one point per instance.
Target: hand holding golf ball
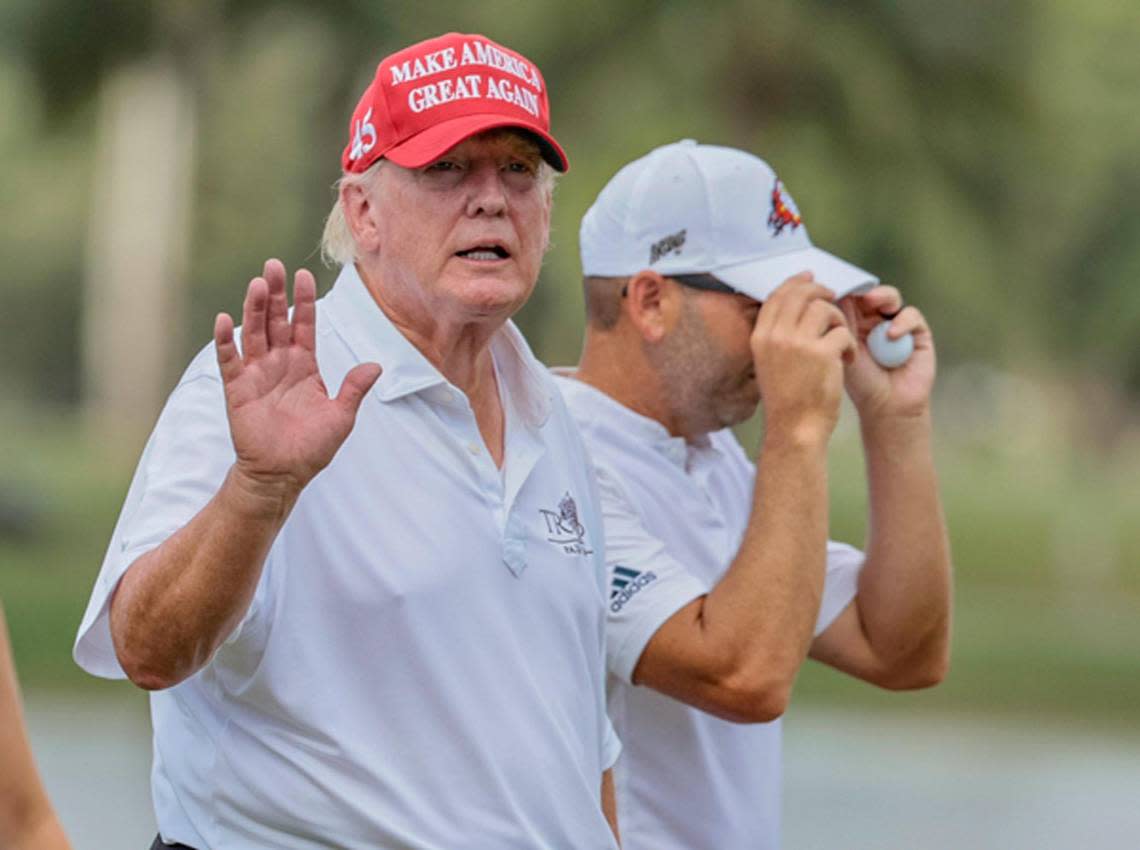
(889, 353)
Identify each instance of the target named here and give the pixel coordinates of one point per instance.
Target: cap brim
(438, 139)
(759, 278)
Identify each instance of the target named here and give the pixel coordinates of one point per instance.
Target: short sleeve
(184, 463)
(611, 746)
(844, 563)
(646, 585)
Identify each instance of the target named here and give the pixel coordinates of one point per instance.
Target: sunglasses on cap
(705, 281)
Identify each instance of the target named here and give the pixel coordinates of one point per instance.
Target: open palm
(284, 425)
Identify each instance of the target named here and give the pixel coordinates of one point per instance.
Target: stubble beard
(703, 395)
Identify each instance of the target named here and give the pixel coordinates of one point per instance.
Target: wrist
(800, 437)
(261, 495)
(897, 430)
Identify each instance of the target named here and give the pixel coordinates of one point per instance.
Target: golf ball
(889, 353)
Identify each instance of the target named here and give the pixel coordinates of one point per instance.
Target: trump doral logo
(564, 529)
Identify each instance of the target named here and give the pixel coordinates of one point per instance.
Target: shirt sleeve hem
(666, 601)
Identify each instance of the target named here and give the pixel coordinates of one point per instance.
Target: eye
(441, 165)
(519, 166)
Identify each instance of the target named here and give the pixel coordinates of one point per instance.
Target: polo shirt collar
(371, 336)
(641, 429)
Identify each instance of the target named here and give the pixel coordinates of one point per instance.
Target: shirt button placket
(514, 544)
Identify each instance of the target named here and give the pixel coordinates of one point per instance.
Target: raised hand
(284, 425)
(798, 345)
(878, 392)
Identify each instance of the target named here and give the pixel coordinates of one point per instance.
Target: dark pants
(158, 845)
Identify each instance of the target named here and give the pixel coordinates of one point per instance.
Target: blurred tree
(981, 155)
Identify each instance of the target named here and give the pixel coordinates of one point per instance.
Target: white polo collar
(616, 417)
(371, 336)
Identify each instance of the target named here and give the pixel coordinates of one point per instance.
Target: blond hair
(338, 246)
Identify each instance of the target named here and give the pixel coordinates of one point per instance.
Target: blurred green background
(983, 156)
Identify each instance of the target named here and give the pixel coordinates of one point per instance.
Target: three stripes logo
(626, 583)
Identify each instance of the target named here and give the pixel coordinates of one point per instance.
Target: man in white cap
(704, 296)
(377, 619)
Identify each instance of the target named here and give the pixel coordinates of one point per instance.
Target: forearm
(177, 603)
(904, 597)
(24, 805)
(27, 820)
(609, 803)
(759, 619)
(37, 828)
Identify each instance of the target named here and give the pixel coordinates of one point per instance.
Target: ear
(652, 304)
(360, 213)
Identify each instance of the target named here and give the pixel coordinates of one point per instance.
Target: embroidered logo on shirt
(565, 529)
(626, 583)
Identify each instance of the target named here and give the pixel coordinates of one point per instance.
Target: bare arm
(27, 820)
(176, 604)
(736, 651)
(897, 632)
(609, 802)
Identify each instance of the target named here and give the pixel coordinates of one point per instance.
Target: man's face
(466, 232)
(706, 360)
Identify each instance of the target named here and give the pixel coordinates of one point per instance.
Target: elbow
(752, 698)
(145, 668)
(148, 657)
(148, 676)
(934, 672)
(920, 674)
(149, 681)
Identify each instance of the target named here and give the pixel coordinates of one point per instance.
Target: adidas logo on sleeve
(626, 583)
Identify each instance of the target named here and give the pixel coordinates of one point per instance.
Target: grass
(74, 491)
(1045, 617)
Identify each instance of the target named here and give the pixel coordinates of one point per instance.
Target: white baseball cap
(686, 208)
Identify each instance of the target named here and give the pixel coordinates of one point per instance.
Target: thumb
(356, 385)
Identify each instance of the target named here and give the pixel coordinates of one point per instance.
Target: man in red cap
(375, 618)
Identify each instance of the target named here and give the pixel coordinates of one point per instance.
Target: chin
(494, 296)
(742, 411)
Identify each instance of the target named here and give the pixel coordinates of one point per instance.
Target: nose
(486, 195)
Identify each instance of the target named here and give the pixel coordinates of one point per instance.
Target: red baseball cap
(427, 98)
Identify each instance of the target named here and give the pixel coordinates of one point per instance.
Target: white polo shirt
(422, 665)
(675, 515)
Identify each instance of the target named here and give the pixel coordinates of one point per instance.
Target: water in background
(910, 782)
(856, 781)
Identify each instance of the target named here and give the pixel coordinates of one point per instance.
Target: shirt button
(474, 448)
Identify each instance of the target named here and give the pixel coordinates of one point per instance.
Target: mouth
(485, 253)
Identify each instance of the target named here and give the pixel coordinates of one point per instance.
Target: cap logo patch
(671, 244)
(783, 214)
(364, 139)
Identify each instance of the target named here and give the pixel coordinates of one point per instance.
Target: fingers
(254, 311)
(304, 310)
(840, 343)
(909, 320)
(881, 301)
(821, 316)
(356, 385)
(800, 306)
(229, 361)
(791, 298)
(265, 313)
(277, 317)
